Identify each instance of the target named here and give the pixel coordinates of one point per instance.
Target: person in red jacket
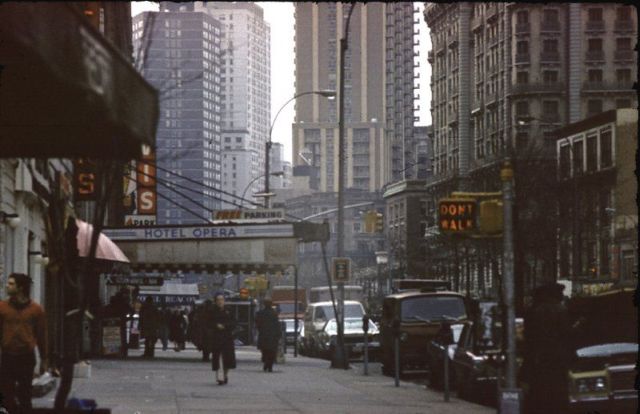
(23, 326)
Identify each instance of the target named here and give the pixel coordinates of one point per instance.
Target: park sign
(457, 215)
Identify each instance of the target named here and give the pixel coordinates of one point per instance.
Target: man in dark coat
(149, 326)
(268, 334)
(222, 346)
(547, 350)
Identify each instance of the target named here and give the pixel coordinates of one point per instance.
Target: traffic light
(370, 218)
(91, 11)
(490, 221)
(379, 222)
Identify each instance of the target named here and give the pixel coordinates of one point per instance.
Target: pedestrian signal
(491, 219)
(457, 215)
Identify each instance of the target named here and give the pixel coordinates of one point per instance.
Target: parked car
(353, 338)
(601, 376)
(479, 361)
(444, 339)
(291, 333)
(418, 316)
(317, 329)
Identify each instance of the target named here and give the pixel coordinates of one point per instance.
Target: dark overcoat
(150, 320)
(222, 339)
(268, 329)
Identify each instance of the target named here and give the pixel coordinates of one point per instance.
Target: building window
(565, 159)
(594, 106)
(578, 157)
(595, 45)
(550, 76)
(550, 111)
(550, 16)
(595, 15)
(623, 103)
(606, 153)
(592, 153)
(550, 46)
(623, 75)
(623, 43)
(523, 17)
(522, 140)
(522, 78)
(522, 47)
(595, 75)
(623, 13)
(522, 108)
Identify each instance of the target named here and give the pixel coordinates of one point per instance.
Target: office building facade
(179, 51)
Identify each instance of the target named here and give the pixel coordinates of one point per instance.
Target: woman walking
(222, 347)
(268, 334)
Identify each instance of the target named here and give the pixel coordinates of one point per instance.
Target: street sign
(341, 269)
(134, 280)
(457, 215)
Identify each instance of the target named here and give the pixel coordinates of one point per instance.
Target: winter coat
(268, 329)
(222, 338)
(150, 321)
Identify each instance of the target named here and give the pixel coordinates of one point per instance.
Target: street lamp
(11, 219)
(330, 94)
(275, 174)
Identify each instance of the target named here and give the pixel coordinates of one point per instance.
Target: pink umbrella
(106, 249)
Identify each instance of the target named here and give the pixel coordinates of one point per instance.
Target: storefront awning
(65, 91)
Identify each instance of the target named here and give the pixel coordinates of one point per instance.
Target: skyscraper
(379, 85)
(246, 92)
(178, 51)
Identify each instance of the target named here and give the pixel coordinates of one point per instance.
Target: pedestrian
(268, 334)
(222, 346)
(547, 351)
(149, 326)
(23, 326)
(164, 328)
(183, 322)
(205, 325)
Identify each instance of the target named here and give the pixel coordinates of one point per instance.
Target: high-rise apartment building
(246, 92)
(505, 77)
(379, 92)
(505, 74)
(178, 52)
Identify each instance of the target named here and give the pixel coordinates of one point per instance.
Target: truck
(283, 298)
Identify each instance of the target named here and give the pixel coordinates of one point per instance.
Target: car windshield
(433, 308)
(351, 310)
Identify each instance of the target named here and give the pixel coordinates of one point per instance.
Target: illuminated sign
(457, 215)
(255, 214)
(85, 180)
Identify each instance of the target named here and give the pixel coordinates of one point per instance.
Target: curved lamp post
(275, 174)
(327, 94)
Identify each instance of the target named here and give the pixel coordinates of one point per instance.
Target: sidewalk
(179, 383)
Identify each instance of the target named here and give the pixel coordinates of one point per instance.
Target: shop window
(592, 153)
(594, 106)
(606, 153)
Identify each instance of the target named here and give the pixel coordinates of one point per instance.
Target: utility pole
(509, 398)
(339, 360)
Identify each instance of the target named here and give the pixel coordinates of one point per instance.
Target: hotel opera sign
(457, 215)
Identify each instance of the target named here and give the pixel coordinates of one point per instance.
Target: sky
(279, 15)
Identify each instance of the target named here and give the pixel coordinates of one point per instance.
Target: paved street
(179, 383)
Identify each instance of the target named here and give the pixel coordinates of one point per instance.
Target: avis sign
(457, 215)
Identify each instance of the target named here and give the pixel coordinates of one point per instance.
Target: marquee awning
(65, 91)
